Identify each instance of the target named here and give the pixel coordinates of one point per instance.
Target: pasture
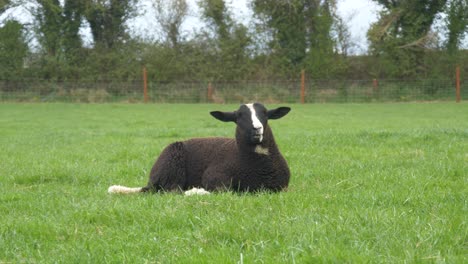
(369, 183)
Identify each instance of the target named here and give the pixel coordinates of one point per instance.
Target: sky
(361, 14)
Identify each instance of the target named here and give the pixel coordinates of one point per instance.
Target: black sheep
(250, 162)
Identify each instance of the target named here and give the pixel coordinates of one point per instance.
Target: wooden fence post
(145, 86)
(302, 87)
(375, 85)
(209, 94)
(457, 76)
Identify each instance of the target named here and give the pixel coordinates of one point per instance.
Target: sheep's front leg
(215, 179)
(196, 191)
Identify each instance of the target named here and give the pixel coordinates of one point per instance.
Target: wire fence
(279, 91)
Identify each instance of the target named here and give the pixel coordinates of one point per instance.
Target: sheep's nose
(258, 130)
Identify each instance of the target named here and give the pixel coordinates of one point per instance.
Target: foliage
(71, 41)
(107, 21)
(49, 20)
(284, 38)
(13, 50)
(457, 24)
(228, 41)
(170, 16)
(4, 5)
(402, 34)
(301, 35)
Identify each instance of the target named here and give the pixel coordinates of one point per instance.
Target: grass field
(370, 183)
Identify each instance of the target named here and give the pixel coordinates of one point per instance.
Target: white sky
(360, 14)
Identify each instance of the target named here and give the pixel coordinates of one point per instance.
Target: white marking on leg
(196, 191)
(255, 121)
(123, 189)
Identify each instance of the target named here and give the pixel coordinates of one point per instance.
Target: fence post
(145, 85)
(209, 94)
(457, 76)
(375, 85)
(302, 87)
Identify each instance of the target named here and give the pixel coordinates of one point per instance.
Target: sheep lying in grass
(250, 162)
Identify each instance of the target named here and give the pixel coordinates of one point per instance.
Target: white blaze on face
(255, 121)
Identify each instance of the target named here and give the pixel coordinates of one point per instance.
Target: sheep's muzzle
(257, 136)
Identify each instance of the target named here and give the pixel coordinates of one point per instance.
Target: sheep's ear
(224, 116)
(278, 112)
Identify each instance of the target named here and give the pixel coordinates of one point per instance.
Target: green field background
(378, 183)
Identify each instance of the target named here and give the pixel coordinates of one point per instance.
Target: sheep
(248, 163)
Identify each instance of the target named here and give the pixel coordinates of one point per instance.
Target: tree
(107, 20)
(73, 12)
(322, 60)
(57, 25)
(170, 16)
(216, 14)
(13, 50)
(344, 43)
(49, 20)
(4, 5)
(457, 24)
(229, 49)
(287, 21)
(402, 33)
(301, 34)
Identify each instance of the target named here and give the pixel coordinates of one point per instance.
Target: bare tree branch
(170, 15)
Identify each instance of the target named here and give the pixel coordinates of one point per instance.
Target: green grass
(370, 183)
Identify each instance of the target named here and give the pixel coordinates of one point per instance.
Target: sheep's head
(251, 119)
